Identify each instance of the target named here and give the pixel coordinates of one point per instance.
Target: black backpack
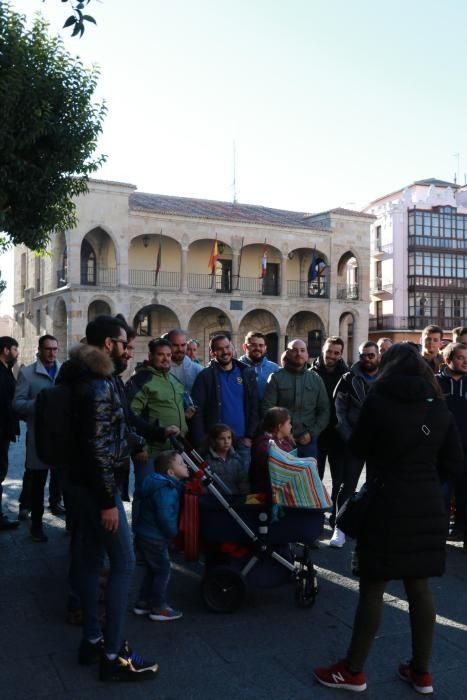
(53, 422)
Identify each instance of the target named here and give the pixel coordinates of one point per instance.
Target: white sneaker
(337, 539)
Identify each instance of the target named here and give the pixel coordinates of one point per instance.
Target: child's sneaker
(421, 682)
(165, 614)
(128, 666)
(141, 608)
(337, 676)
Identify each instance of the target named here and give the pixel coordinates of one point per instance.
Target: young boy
(155, 526)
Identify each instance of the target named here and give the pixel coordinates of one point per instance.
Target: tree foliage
(78, 18)
(49, 126)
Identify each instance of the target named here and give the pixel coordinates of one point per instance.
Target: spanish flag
(213, 257)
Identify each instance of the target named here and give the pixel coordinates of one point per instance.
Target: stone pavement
(264, 651)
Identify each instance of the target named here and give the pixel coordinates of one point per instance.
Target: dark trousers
(352, 469)
(157, 571)
(331, 447)
(55, 488)
(4, 446)
(368, 617)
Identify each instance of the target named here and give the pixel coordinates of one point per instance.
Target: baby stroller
(247, 541)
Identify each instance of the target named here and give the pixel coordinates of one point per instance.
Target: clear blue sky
(330, 103)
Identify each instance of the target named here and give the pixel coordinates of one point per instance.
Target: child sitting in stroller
(224, 461)
(156, 524)
(277, 426)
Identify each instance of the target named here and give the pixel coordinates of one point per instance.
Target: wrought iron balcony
(347, 291)
(312, 290)
(142, 279)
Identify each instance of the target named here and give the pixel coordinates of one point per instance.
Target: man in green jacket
(303, 393)
(159, 398)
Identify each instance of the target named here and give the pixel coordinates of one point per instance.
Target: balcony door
(271, 279)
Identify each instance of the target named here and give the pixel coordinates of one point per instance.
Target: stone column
(183, 271)
(235, 260)
(122, 264)
(283, 279)
(73, 250)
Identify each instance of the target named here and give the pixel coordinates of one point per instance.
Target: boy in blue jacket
(156, 525)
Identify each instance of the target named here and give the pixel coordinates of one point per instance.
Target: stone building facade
(287, 274)
(418, 273)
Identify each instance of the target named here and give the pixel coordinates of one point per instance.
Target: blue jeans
(92, 541)
(157, 571)
(244, 453)
(310, 450)
(141, 472)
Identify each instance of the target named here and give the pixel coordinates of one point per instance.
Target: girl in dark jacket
(276, 425)
(409, 441)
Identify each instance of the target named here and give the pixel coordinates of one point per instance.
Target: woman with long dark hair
(410, 443)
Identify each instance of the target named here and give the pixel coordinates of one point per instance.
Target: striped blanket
(295, 481)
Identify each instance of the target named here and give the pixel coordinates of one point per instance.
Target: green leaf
(70, 21)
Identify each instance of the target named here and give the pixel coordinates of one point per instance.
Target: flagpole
(239, 265)
(159, 259)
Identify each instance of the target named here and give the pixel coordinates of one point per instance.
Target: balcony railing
(387, 248)
(224, 284)
(312, 290)
(347, 291)
(379, 285)
(61, 278)
(101, 276)
(386, 323)
(141, 279)
(214, 283)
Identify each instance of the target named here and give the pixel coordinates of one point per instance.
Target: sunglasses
(119, 340)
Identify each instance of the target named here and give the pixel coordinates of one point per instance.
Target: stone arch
(265, 322)
(200, 277)
(98, 307)
(308, 273)
(309, 327)
(348, 276)
(60, 265)
(98, 259)
(252, 276)
(143, 256)
(152, 321)
(60, 327)
(205, 323)
(347, 327)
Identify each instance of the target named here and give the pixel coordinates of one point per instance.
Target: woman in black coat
(410, 443)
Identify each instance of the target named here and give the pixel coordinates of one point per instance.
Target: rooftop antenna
(456, 174)
(234, 183)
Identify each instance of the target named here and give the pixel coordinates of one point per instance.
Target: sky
(329, 103)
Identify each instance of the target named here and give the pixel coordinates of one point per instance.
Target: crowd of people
(401, 410)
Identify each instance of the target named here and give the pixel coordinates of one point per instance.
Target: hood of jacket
(156, 482)
(339, 369)
(85, 360)
(405, 388)
(451, 386)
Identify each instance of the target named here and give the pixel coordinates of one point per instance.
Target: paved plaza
(264, 651)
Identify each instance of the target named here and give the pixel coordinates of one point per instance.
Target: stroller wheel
(306, 586)
(222, 589)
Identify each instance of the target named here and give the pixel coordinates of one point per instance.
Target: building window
(88, 264)
(143, 324)
(38, 321)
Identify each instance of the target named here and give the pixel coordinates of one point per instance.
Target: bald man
(303, 393)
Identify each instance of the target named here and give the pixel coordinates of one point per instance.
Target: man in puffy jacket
(226, 392)
(255, 349)
(330, 367)
(453, 382)
(349, 396)
(303, 393)
(100, 447)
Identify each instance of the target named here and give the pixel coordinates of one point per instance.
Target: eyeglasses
(370, 355)
(119, 340)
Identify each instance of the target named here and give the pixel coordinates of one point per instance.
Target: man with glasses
(349, 396)
(100, 447)
(39, 375)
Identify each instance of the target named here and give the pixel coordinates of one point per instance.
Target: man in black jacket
(101, 446)
(453, 382)
(330, 367)
(226, 392)
(9, 424)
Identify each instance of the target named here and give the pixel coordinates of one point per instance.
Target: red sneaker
(421, 682)
(337, 676)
